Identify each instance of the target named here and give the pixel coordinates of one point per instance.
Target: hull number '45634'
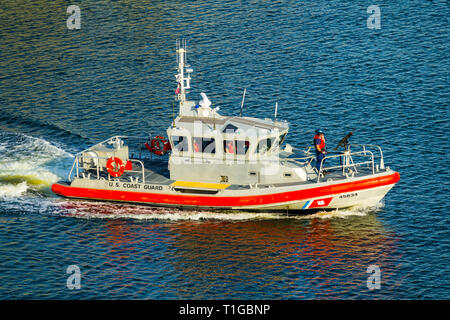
(348, 195)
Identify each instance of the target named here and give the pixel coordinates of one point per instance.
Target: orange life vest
(322, 142)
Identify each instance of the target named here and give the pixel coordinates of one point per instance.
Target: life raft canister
(158, 145)
(115, 167)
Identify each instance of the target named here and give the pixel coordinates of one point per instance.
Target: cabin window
(265, 145)
(230, 128)
(239, 147)
(205, 145)
(282, 137)
(180, 143)
(229, 146)
(242, 146)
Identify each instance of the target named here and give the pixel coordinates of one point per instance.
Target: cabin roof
(231, 125)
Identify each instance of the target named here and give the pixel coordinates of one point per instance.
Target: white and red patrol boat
(215, 162)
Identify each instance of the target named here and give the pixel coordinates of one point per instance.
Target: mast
(183, 82)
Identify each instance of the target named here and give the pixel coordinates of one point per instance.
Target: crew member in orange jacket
(319, 144)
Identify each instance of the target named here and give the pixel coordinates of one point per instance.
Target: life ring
(158, 145)
(115, 167)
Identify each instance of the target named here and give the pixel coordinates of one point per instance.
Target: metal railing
(98, 169)
(303, 161)
(365, 146)
(348, 166)
(100, 172)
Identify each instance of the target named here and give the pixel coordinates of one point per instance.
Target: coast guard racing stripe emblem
(318, 203)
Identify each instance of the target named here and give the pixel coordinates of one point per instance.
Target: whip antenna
(242, 103)
(276, 110)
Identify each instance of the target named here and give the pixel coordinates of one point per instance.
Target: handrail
(365, 153)
(142, 168)
(88, 156)
(73, 165)
(110, 140)
(372, 146)
(297, 160)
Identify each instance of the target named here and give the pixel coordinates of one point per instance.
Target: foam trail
(13, 190)
(28, 164)
(106, 210)
(343, 213)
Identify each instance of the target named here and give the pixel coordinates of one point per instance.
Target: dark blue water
(62, 90)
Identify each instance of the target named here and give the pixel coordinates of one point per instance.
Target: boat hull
(363, 191)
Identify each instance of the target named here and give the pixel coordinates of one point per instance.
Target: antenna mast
(183, 81)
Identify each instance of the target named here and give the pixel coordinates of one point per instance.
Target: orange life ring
(159, 145)
(115, 167)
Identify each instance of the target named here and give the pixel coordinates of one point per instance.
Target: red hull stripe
(215, 201)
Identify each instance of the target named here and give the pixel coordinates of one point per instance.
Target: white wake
(28, 164)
